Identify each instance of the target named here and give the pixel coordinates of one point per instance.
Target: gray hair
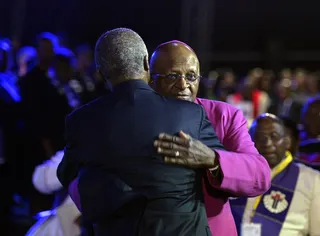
(120, 52)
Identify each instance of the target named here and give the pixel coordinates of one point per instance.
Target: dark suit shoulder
(184, 105)
(88, 109)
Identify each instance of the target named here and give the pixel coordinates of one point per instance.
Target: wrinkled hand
(184, 150)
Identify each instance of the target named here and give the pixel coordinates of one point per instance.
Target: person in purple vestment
(291, 206)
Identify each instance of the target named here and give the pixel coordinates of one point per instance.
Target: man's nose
(182, 82)
(268, 142)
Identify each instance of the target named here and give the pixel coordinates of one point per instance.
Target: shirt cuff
(215, 174)
(215, 171)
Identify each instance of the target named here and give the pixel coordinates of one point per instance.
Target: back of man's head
(120, 55)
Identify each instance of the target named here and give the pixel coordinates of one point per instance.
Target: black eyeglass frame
(175, 77)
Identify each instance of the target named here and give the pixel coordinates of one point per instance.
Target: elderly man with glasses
(242, 172)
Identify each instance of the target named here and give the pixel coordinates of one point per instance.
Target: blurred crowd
(282, 94)
(40, 85)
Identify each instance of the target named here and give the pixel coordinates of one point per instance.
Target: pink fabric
(245, 172)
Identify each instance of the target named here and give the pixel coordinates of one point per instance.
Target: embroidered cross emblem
(276, 199)
(275, 202)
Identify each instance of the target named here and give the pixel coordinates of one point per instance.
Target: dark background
(271, 29)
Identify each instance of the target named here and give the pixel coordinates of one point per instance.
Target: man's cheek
(165, 88)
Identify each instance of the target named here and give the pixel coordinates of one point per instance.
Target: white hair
(120, 52)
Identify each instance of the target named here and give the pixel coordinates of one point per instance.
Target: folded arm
(244, 172)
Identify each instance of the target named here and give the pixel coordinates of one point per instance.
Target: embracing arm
(70, 164)
(244, 172)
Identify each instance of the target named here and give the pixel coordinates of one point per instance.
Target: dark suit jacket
(125, 187)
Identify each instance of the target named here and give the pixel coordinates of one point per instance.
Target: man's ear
(146, 64)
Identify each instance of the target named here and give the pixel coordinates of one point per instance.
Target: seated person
(291, 206)
(293, 133)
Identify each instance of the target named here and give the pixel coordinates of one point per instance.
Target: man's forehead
(269, 125)
(173, 49)
(172, 59)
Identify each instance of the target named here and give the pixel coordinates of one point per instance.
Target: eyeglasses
(190, 77)
(260, 138)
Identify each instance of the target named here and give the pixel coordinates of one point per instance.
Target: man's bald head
(173, 43)
(265, 118)
(169, 51)
(175, 59)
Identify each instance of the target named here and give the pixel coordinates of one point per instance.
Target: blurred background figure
(299, 85)
(39, 96)
(310, 133)
(292, 131)
(9, 99)
(64, 218)
(84, 74)
(266, 82)
(250, 100)
(312, 84)
(286, 74)
(284, 103)
(26, 59)
(224, 86)
(9, 130)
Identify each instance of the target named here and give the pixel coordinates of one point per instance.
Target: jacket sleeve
(245, 173)
(70, 165)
